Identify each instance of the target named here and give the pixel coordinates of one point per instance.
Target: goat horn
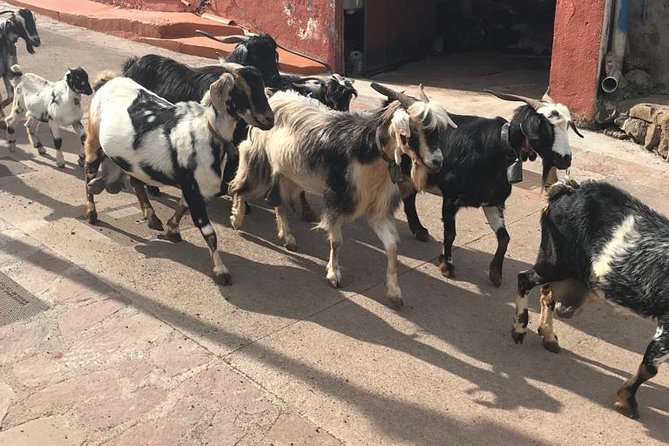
(226, 39)
(423, 96)
(534, 103)
(8, 11)
(404, 99)
(575, 129)
(547, 96)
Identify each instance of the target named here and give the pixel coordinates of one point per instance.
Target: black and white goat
(348, 158)
(157, 142)
(56, 103)
(599, 241)
(336, 92)
(15, 25)
(479, 161)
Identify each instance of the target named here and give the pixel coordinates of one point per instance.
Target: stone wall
(648, 34)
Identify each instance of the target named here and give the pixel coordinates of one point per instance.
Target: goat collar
(394, 170)
(217, 135)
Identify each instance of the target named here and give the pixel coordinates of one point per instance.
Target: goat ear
(530, 127)
(401, 124)
(220, 89)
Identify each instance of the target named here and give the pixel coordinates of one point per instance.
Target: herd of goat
(244, 129)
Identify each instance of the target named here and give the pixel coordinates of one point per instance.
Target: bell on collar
(514, 173)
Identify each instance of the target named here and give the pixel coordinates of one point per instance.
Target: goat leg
(387, 232)
(415, 225)
(656, 353)
(446, 265)
(495, 217)
(57, 143)
(550, 341)
(149, 213)
(78, 128)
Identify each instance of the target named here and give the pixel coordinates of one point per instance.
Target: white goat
(56, 103)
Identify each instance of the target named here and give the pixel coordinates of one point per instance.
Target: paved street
(140, 346)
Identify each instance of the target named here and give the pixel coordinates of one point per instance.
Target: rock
(620, 119)
(635, 63)
(640, 81)
(643, 111)
(636, 128)
(653, 134)
(615, 133)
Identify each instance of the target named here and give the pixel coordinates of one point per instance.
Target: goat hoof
(552, 346)
(223, 279)
(174, 237)
(517, 337)
(155, 223)
(447, 268)
(396, 301)
(60, 165)
(422, 235)
(627, 408)
(92, 217)
(81, 161)
(309, 216)
(41, 150)
(334, 278)
(496, 277)
(154, 191)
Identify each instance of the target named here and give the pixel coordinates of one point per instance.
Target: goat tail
(102, 78)
(562, 187)
(129, 62)
(15, 74)
(254, 174)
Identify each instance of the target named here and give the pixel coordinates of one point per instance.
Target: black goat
(253, 50)
(336, 92)
(599, 241)
(482, 158)
(15, 24)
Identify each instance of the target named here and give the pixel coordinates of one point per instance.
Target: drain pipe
(613, 61)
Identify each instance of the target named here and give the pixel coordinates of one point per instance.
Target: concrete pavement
(141, 347)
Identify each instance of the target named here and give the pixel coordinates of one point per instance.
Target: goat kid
(160, 143)
(345, 157)
(598, 241)
(16, 24)
(56, 103)
(478, 157)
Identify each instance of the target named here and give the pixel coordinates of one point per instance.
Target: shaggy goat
(56, 103)
(478, 170)
(17, 24)
(157, 142)
(349, 158)
(599, 241)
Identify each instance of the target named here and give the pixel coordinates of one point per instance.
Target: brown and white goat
(351, 159)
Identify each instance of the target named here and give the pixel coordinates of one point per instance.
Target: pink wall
(308, 26)
(154, 5)
(575, 69)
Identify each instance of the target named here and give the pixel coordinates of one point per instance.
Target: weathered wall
(309, 26)
(576, 49)
(648, 35)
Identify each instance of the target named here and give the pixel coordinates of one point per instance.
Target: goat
(336, 92)
(56, 103)
(599, 241)
(481, 158)
(349, 158)
(21, 24)
(253, 50)
(157, 142)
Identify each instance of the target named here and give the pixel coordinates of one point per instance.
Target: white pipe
(613, 62)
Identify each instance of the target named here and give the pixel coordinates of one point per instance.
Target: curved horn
(547, 96)
(7, 11)
(423, 96)
(404, 99)
(534, 103)
(226, 39)
(575, 129)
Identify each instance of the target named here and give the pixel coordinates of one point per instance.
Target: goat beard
(419, 176)
(29, 48)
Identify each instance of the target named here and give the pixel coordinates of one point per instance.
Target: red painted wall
(309, 26)
(575, 67)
